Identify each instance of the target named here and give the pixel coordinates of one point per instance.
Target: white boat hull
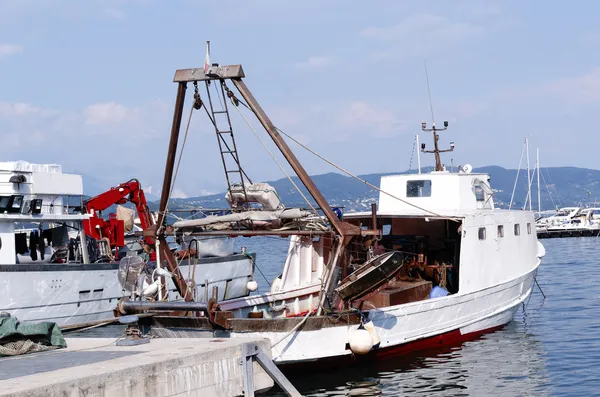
(405, 327)
(77, 294)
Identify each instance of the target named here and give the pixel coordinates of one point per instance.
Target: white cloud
(424, 25)
(20, 109)
(469, 109)
(178, 193)
(361, 117)
(114, 13)
(9, 49)
(315, 62)
(582, 89)
(107, 113)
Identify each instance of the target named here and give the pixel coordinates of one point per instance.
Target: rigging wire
(529, 190)
(178, 161)
(516, 179)
(275, 159)
(555, 191)
(548, 189)
(355, 176)
(362, 180)
(429, 91)
(412, 153)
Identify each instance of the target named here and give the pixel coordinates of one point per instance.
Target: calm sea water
(551, 348)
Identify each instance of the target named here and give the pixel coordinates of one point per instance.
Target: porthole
(481, 233)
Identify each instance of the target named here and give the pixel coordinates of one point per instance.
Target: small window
(529, 228)
(500, 231)
(517, 229)
(386, 230)
(482, 233)
(418, 188)
(479, 193)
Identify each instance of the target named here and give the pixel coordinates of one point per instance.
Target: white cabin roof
(442, 193)
(40, 179)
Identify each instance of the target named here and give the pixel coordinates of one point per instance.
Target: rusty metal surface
(172, 151)
(259, 324)
(401, 292)
(130, 306)
(178, 280)
(197, 74)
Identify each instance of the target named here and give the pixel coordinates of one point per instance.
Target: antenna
(429, 91)
(436, 151)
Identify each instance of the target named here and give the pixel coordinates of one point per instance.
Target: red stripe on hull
(448, 339)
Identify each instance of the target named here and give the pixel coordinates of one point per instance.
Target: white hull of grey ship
(71, 294)
(76, 293)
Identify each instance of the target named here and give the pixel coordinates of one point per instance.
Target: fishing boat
(47, 274)
(433, 262)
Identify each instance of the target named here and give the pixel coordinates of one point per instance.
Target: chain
(197, 100)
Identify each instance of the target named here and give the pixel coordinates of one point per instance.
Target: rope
(275, 160)
(349, 173)
(278, 341)
(256, 266)
(362, 180)
(187, 128)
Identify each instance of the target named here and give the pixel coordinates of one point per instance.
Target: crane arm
(113, 229)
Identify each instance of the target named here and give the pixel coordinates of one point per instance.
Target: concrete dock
(96, 367)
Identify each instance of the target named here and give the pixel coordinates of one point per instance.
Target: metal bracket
(251, 352)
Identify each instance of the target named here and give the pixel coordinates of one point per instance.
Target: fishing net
(18, 347)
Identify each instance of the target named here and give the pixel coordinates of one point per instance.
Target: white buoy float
(360, 340)
(252, 285)
(368, 324)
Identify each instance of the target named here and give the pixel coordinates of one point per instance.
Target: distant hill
(561, 186)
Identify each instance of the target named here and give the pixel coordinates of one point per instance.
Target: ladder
(234, 174)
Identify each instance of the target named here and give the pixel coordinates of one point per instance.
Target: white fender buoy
(541, 250)
(150, 290)
(252, 285)
(361, 341)
(373, 332)
(276, 284)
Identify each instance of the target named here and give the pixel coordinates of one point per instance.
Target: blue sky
(88, 84)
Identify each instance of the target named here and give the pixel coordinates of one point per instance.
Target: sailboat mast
(538, 179)
(528, 174)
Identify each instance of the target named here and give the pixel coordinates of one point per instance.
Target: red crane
(114, 229)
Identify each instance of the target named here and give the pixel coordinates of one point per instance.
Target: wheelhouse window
(517, 229)
(418, 188)
(479, 193)
(529, 228)
(500, 231)
(481, 233)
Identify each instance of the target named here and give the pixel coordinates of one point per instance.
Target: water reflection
(509, 362)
